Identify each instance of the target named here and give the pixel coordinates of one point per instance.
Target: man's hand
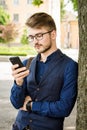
(19, 74)
(28, 98)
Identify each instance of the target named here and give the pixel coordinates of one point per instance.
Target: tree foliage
(37, 2)
(62, 11)
(8, 32)
(24, 39)
(75, 4)
(4, 16)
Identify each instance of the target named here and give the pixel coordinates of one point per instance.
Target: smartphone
(16, 60)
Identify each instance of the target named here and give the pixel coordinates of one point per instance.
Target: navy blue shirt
(41, 66)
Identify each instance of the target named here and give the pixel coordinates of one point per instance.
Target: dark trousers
(15, 127)
(27, 128)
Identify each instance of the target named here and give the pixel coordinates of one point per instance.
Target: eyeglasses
(38, 36)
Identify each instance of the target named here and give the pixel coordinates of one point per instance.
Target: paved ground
(7, 112)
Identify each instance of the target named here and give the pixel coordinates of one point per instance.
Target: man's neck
(45, 55)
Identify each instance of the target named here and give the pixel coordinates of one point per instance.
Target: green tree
(4, 17)
(62, 10)
(8, 31)
(37, 2)
(75, 4)
(24, 39)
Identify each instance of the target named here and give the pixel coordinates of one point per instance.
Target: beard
(41, 48)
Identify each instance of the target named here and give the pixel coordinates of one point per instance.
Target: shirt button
(36, 99)
(38, 89)
(30, 121)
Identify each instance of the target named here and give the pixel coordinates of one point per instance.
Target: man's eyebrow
(36, 34)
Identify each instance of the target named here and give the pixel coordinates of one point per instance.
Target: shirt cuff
(36, 106)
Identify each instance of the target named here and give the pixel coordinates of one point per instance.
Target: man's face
(41, 39)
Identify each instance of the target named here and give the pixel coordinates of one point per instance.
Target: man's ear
(53, 34)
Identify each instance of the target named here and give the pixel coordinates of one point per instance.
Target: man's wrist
(29, 106)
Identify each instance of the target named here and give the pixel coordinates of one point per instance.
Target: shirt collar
(50, 57)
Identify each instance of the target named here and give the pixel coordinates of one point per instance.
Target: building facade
(69, 31)
(20, 10)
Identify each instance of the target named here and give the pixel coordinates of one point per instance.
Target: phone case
(16, 60)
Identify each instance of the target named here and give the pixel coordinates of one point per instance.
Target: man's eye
(31, 37)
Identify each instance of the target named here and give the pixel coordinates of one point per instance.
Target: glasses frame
(36, 36)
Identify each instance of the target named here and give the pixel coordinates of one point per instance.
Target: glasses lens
(30, 38)
(39, 36)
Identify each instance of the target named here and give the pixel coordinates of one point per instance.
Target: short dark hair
(39, 20)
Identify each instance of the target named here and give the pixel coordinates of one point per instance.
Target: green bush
(23, 50)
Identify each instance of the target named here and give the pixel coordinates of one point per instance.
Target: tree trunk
(81, 121)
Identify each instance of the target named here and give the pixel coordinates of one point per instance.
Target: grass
(23, 50)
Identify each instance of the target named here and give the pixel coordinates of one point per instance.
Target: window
(16, 17)
(16, 2)
(2, 2)
(29, 1)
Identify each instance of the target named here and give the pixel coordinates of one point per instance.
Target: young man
(46, 93)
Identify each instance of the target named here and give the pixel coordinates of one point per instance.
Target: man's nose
(35, 40)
